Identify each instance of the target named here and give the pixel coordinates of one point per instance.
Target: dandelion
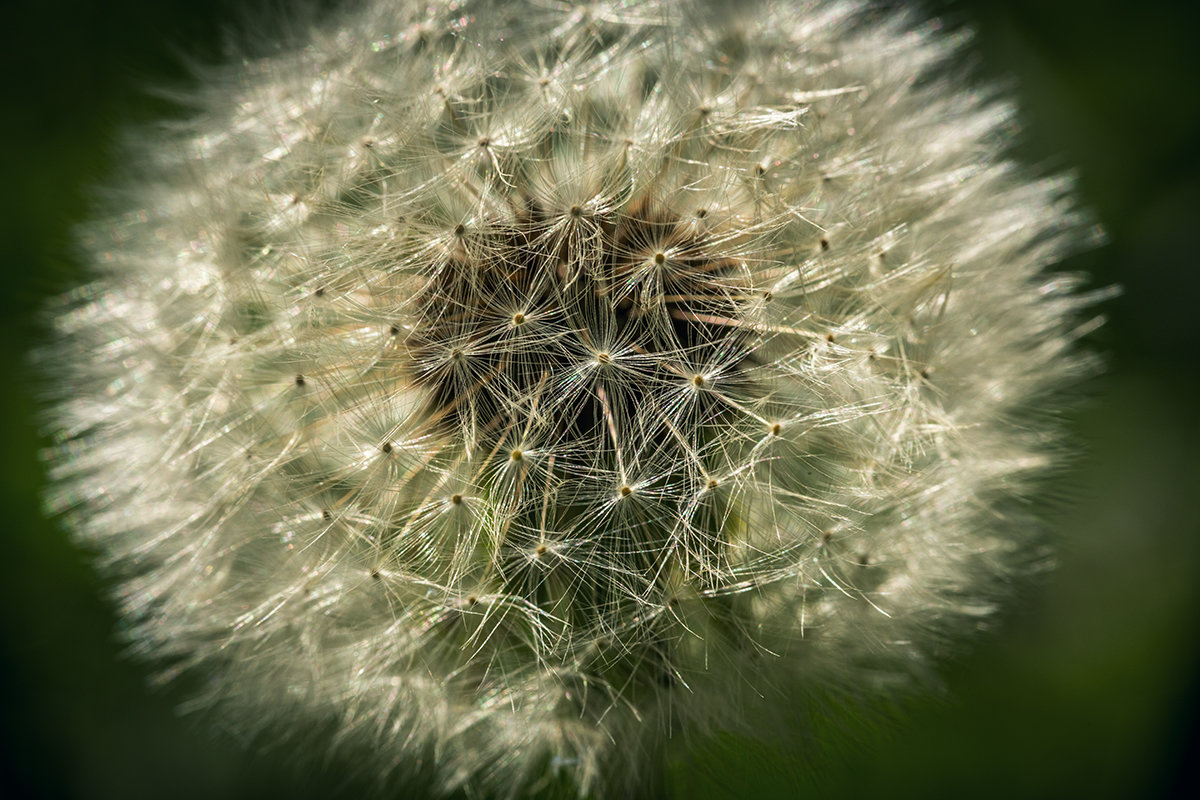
(525, 384)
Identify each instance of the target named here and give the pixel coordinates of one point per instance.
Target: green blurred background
(1087, 688)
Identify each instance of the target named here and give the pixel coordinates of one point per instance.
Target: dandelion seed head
(529, 383)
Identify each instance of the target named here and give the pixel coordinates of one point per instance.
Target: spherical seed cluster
(523, 384)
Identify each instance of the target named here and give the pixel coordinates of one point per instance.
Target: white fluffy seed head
(522, 383)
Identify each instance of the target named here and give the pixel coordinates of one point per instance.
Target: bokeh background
(1088, 686)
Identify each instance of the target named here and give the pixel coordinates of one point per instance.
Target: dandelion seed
(660, 366)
